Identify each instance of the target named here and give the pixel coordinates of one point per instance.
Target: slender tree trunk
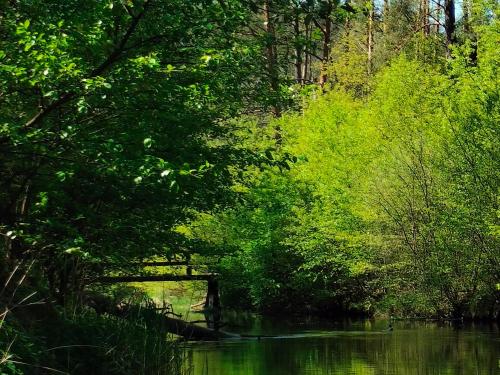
(386, 16)
(298, 48)
(271, 55)
(308, 69)
(437, 24)
(425, 17)
(327, 36)
(369, 41)
(307, 58)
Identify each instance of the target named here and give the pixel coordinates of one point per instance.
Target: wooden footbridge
(212, 300)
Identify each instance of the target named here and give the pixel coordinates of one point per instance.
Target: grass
(44, 338)
(181, 295)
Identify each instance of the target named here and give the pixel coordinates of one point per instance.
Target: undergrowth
(47, 339)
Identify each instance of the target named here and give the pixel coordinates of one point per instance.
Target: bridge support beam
(212, 304)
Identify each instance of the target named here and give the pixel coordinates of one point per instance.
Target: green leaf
(61, 175)
(166, 172)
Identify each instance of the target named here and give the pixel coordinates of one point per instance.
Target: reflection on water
(362, 348)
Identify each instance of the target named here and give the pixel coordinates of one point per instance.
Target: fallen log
(105, 305)
(193, 332)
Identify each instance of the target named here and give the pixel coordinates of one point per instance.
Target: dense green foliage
(322, 156)
(111, 132)
(108, 122)
(393, 203)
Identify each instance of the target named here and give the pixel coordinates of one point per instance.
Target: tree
(111, 120)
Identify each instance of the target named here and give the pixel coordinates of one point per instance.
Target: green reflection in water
(358, 349)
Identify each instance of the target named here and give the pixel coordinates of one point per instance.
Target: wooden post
(212, 303)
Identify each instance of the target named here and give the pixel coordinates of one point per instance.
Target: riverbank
(43, 337)
(182, 295)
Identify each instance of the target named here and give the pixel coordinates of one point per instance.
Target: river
(321, 347)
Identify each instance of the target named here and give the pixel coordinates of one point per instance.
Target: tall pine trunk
(449, 24)
(439, 9)
(369, 41)
(272, 58)
(426, 29)
(385, 17)
(298, 48)
(327, 37)
(306, 71)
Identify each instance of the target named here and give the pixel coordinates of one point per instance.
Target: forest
(321, 157)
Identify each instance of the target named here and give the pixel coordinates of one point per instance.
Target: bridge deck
(163, 277)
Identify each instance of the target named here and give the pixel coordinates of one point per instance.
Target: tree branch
(111, 59)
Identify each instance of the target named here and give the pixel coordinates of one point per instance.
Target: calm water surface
(360, 348)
